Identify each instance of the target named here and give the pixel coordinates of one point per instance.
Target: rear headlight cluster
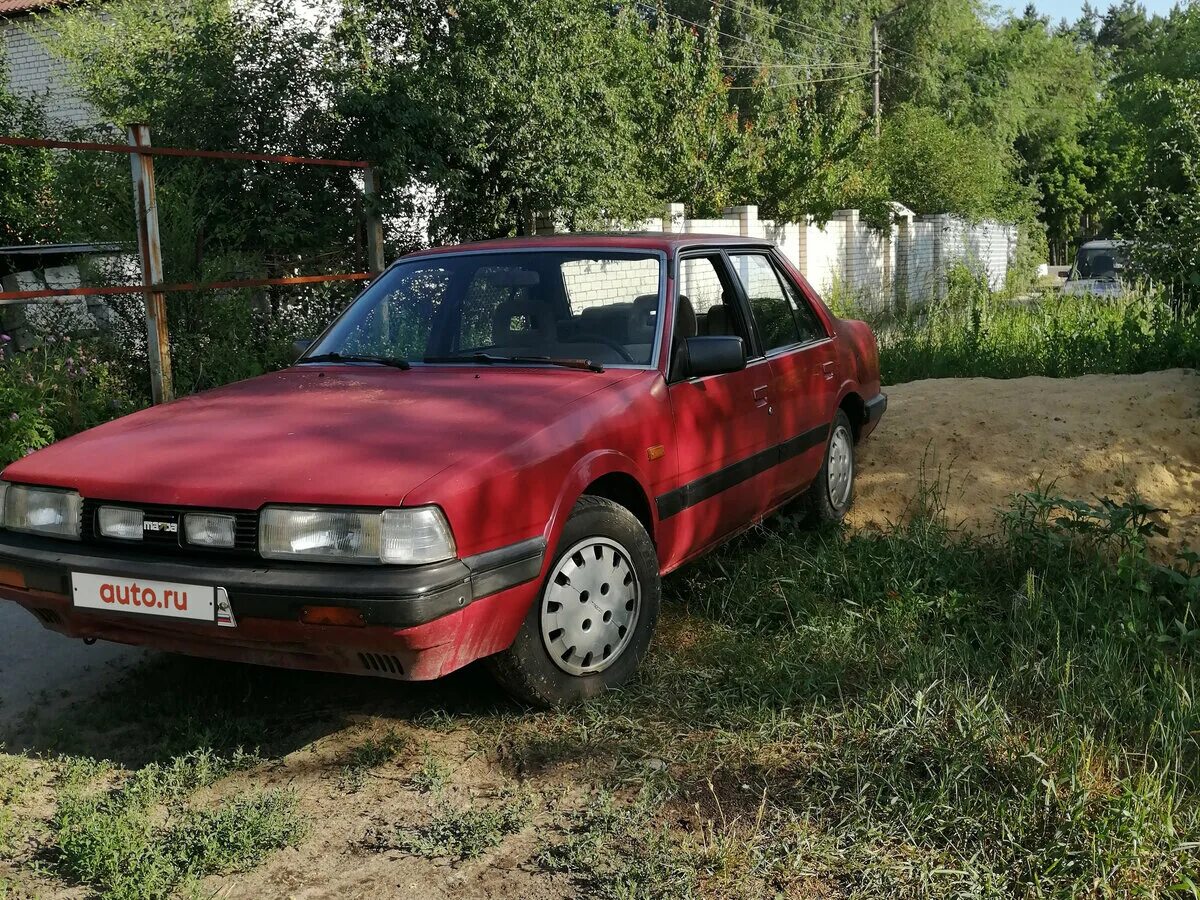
(397, 536)
(39, 510)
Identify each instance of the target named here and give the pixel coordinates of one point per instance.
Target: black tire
(822, 503)
(527, 670)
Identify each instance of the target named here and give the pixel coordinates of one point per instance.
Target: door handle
(760, 396)
(827, 369)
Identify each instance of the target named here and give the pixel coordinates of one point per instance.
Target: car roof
(1103, 245)
(655, 241)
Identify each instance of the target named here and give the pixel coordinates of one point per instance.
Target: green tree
(694, 142)
(28, 211)
(933, 166)
(511, 108)
(218, 75)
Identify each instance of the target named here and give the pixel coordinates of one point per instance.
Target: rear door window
(770, 306)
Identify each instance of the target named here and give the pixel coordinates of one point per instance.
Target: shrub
(51, 392)
(971, 333)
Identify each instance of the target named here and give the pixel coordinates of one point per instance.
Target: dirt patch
(986, 439)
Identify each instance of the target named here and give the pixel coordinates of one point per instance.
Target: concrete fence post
(747, 218)
(674, 218)
(902, 236)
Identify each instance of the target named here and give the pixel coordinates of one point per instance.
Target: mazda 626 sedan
(497, 450)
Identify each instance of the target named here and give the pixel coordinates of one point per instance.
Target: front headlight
(38, 510)
(398, 536)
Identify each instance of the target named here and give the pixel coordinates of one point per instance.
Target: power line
(777, 22)
(756, 46)
(733, 37)
(902, 52)
(786, 84)
(737, 63)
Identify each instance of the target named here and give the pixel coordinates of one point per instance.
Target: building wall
(34, 73)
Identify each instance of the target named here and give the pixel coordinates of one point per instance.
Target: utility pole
(876, 65)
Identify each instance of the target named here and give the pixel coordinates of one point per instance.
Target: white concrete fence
(846, 255)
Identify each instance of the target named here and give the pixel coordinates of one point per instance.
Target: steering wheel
(587, 337)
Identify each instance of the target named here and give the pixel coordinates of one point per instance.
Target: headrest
(685, 318)
(644, 318)
(717, 320)
(521, 320)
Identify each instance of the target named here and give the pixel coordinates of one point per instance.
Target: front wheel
(595, 616)
(828, 499)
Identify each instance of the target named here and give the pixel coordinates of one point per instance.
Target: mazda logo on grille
(171, 527)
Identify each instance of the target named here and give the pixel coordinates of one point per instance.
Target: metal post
(876, 65)
(158, 347)
(375, 261)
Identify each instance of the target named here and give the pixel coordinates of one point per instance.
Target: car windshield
(1099, 262)
(524, 307)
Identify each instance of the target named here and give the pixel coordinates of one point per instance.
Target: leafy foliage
(931, 166)
(970, 333)
(142, 840)
(53, 392)
(511, 108)
(27, 212)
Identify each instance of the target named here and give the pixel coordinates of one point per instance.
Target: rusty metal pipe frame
(45, 144)
(13, 297)
(141, 156)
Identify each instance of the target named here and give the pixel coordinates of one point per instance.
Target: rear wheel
(593, 621)
(832, 492)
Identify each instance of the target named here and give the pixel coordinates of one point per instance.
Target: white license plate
(141, 595)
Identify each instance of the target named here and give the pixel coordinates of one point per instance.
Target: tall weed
(973, 333)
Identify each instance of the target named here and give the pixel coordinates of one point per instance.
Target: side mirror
(714, 355)
(300, 347)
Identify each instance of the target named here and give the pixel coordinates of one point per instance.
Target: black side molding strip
(688, 495)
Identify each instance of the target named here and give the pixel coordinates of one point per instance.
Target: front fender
(588, 469)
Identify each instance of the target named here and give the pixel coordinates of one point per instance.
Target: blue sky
(1058, 9)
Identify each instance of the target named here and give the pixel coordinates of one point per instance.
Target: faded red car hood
(361, 435)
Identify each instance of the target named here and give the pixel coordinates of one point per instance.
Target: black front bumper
(398, 596)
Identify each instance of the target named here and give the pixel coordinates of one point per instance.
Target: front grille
(245, 534)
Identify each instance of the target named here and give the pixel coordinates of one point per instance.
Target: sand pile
(987, 439)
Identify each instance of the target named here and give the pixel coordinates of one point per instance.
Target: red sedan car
(497, 451)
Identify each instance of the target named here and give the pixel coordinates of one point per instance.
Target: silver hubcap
(590, 606)
(841, 466)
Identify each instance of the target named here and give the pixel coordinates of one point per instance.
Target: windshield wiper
(394, 362)
(491, 359)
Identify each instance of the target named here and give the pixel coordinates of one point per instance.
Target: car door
(723, 425)
(803, 365)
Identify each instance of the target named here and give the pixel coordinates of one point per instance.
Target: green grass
(433, 774)
(912, 713)
(143, 838)
(457, 833)
(371, 754)
(973, 334)
(908, 713)
(16, 781)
